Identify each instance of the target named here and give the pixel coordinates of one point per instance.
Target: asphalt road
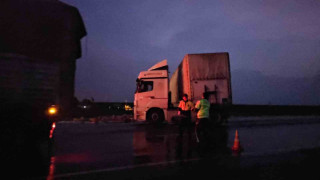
(273, 148)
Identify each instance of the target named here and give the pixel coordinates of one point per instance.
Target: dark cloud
(277, 38)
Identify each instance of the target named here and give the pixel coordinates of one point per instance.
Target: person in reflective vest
(185, 107)
(202, 123)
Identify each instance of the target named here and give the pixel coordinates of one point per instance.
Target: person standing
(185, 107)
(202, 123)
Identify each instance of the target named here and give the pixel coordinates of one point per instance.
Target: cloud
(273, 37)
(105, 75)
(275, 19)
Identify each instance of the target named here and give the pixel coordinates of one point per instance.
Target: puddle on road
(152, 145)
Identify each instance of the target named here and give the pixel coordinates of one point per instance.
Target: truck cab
(156, 97)
(151, 96)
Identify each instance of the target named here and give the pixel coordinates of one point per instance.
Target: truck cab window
(144, 86)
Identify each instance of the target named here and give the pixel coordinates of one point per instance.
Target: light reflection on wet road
(82, 147)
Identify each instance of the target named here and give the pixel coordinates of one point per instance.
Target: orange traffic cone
(236, 148)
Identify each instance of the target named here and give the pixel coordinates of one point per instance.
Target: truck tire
(155, 116)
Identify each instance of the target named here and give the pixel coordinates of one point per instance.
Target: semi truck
(40, 43)
(156, 97)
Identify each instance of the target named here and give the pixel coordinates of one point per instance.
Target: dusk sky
(269, 38)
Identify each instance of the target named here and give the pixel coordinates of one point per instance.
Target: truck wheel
(155, 116)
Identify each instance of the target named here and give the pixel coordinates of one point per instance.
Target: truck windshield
(144, 86)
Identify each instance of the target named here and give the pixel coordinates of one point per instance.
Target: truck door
(144, 92)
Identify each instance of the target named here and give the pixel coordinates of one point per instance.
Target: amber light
(127, 108)
(52, 110)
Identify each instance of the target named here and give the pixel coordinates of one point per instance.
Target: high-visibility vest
(185, 106)
(204, 106)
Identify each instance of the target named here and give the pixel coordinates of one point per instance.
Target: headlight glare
(52, 110)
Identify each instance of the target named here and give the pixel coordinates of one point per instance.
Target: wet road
(88, 148)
